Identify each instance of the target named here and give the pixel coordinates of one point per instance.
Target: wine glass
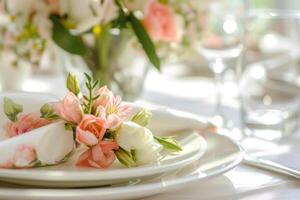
(221, 42)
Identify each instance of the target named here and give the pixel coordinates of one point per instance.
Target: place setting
(152, 99)
(45, 149)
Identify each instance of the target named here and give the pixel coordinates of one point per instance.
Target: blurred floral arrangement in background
(97, 32)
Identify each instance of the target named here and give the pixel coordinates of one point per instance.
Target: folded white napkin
(47, 145)
(52, 143)
(166, 120)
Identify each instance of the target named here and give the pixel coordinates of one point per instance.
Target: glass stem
(218, 95)
(218, 68)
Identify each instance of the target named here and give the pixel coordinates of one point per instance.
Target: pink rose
(69, 108)
(24, 124)
(24, 156)
(111, 108)
(160, 22)
(99, 156)
(90, 130)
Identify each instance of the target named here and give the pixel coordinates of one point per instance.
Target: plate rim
(140, 190)
(102, 175)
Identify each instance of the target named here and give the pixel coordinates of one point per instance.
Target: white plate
(222, 155)
(65, 175)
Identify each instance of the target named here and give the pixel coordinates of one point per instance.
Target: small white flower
(88, 13)
(132, 136)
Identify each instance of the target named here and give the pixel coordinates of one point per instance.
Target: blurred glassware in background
(269, 91)
(221, 42)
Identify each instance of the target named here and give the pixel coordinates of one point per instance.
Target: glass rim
(273, 13)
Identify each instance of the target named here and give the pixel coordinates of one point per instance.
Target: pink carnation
(99, 156)
(90, 130)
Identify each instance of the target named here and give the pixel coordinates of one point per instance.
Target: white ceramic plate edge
(111, 175)
(120, 192)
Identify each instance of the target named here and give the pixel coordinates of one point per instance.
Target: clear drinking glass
(221, 41)
(269, 85)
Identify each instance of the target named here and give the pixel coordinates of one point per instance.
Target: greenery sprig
(90, 97)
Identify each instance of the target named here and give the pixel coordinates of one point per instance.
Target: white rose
(149, 153)
(132, 136)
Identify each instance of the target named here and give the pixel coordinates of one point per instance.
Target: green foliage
(11, 109)
(142, 118)
(90, 98)
(47, 112)
(72, 84)
(144, 39)
(126, 158)
(169, 143)
(63, 38)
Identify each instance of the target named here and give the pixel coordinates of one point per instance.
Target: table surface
(196, 95)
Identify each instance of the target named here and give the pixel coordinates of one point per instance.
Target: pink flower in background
(69, 108)
(24, 124)
(111, 108)
(160, 22)
(24, 156)
(99, 156)
(90, 130)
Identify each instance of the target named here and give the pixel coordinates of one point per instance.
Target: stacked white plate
(204, 157)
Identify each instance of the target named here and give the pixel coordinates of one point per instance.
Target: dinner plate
(66, 175)
(222, 154)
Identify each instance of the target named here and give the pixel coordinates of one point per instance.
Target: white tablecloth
(196, 95)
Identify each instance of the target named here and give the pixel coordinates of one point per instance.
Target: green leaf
(125, 157)
(169, 143)
(63, 38)
(11, 109)
(72, 84)
(133, 155)
(144, 39)
(47, 112)
(87, 76)
(142, 118)
(69, 126)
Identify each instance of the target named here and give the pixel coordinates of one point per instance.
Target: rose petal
(85, 137)
(83, 159)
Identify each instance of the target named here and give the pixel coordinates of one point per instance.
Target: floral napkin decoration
(103, 126)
